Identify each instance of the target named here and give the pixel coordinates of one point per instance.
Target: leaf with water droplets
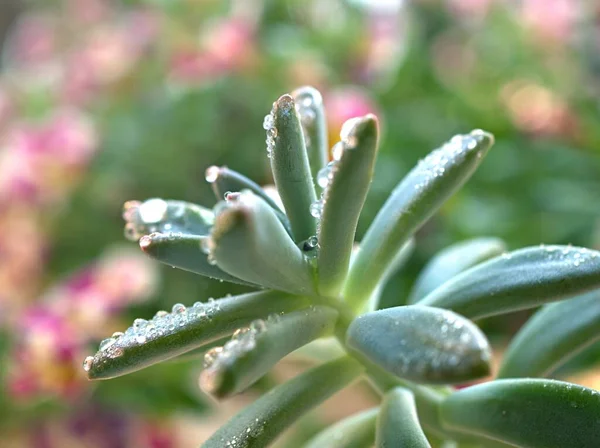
(518, 280)
(418, 196)
(309, 105)
(165, 216)
(266, 418)
(356, 431)
(250, 243)
(453, 260)
(529, 413)
(169, 335)
(552, 336)
(184, 252)
(343, 200)
(423, 344)
(291, 169)
(253, 351)
(398, 423)
(224, 180)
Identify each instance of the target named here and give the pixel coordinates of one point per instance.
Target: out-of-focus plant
(298, 251)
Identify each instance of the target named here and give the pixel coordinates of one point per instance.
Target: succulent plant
(314, 289)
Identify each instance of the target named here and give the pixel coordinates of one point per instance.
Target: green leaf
(452, 261)
(164, 216)
(224, 180)
(253, 351)
(169, 335)
(266, 418)
(250, 243)
(519, 280)
(356, 431)
(420, 194)
(553, 336)
(422, 344)
(291, 169)
(529, 413)
(309, 105)
(184, 252)
(348, 180)
(398, 423)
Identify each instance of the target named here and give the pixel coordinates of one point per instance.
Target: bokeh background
(102, 101)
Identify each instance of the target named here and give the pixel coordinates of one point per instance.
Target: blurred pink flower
(33, 40)
(345, 103)
(53, 334)
(554, 21)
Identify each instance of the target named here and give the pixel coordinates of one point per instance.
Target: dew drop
(178, 308)
(268, 122)
(316, 208)
(258, 326)
(153, 211)
(140, 339)
(206, 245)
(139, 324)
(106, 343)
(337, 151)
(212, 174)
(347, 131)
(87, 363)
(117, 334)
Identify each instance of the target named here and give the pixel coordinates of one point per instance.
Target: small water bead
(347, 132)
(130, 209)
(153, 210)
(88, 363)
(232, 196)
(178, 308)
(268, 122)
(312, 242)
(106, 343)
(207, 245)
(212, 174)
(211, 356)
(316, 209)
(139, 324)
(161, 313)
(337, 151)
(273, 318)
(325, 175)
(131, 233)
(117, 334)
(140, 339)
(258, 326)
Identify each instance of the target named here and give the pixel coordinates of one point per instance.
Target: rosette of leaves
(313, 287)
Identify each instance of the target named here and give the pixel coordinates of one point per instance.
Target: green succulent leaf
(184, 252)
(165, 216)
(519, 280)
(309, 105)
(398, 423)
(422, 344)
(552, 336)
(452, 261)
(249, 242)
(418, 196)
(347, 182)
(266, 418)
(169, 335)
(529, 413)
(356, 431)
(291, 169)
(224, 180)
(253, 351)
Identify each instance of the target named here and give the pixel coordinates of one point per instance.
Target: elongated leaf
(356, 431)
(224, 180)
(452, 261)
(291, 169)
(169, 335)
(266, 418)
(420, 194)
(553, 336)
(519, 280)
(398, 423)
(250, 243)
(164, 216)
(184, 252)
(309, 105)
(423, 344)
(343, 198)
(528, 413)
(255, 350)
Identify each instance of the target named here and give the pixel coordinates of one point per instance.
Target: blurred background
(102, 101)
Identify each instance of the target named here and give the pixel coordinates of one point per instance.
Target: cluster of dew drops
(243, 341)
(451, 152)
(143, 331)
(571, 256)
